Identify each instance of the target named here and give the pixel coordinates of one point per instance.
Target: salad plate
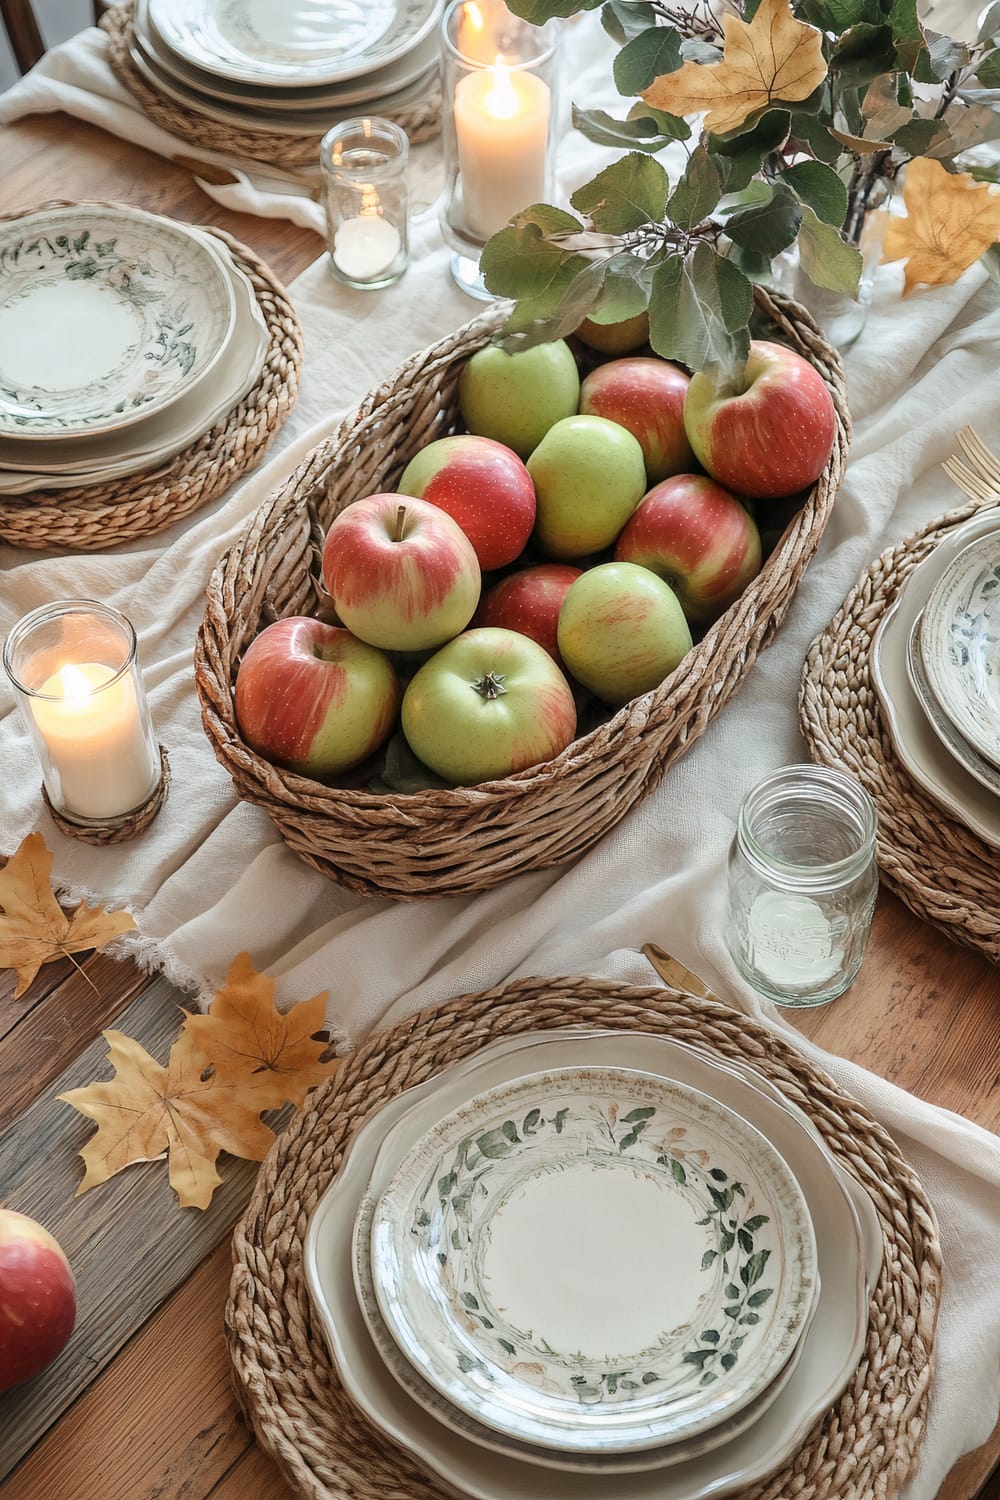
(966, 754)
(106, 316)
(960, 644)
(292, 42)
(848, 1268)
(491, 1247)
(921, 752)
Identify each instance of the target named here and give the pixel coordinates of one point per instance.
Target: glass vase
(843, 318)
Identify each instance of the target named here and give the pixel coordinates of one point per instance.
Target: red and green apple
(481, 484)
(645, 395)
(516, 398)
(529, 601)
(621, 631)
(615, 338)
(37, 1298)
(589, 477)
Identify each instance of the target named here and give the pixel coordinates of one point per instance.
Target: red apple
(37, 1298)
(314, 698)
(647, 397)
(770, 437)
(484, 486)
(529, 602)
(402, 574)
(697, 537)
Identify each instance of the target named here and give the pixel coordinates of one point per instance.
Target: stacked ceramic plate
(936, 668)
(291, 67)
(593, 1264)
(123, 337)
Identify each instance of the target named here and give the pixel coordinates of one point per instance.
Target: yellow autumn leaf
(773, 57)
(34, 929)
(243, 1028)
(950, 221)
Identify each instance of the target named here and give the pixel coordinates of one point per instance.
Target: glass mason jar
(802, 884)
(843, 318)
(366, 199)
(79, 691)
(499, 109)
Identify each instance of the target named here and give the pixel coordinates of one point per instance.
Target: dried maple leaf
(34, 929)
(773, 57)
(243, 1028)
(950, 221)
(147, 1111)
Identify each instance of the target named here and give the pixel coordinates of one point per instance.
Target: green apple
(621, 631)
(624, 337)
(516, 398)
(589, 477)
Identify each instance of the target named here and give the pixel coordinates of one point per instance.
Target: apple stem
(400, 522)
(490, 685)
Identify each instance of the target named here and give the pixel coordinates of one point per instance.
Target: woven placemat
(421, 119)
(864, 1447)
(92, 518)
(942, 870)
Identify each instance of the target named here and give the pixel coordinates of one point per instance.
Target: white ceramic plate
(91, 460)
(293, 42)
(932, 767)
(976, 765)
(107, 315)
(830, 1349)
(960, 644)
(326, 97)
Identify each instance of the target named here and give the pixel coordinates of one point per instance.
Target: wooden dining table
(140, 1404)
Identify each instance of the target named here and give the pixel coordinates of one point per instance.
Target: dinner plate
(292, 42)
(976, 764)
(830, 1348)
(92, 460)
(919, 749)
(107, 315)
(960, 644)
(325, 97)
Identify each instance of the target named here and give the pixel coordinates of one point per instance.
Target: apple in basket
(314, 698)
(486, 705)
(621, 631)
(37, 1298)
(484, 486)
(401, 573)
(771, 436)
(529, 601)
(516, 398)
(646, 395)
(589, 477)
(697, 537)
(621, 337)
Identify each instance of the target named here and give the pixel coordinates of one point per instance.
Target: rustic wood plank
(129, 1244)
(253, 1475)
(172, 1379)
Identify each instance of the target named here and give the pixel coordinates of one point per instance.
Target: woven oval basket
(452, 842)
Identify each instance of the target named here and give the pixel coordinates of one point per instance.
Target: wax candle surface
(501, 124)
(365, 247)
(97, 746)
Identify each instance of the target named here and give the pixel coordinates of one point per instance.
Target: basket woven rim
(866, 1444)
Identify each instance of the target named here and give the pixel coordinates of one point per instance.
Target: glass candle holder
(802, 884)
(367, 204)
(76, 677)
(499, 104)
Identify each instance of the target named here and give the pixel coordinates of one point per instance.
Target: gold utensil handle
(673, 972)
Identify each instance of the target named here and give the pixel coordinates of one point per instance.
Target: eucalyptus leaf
(697, 192)
(944, 55)
(819, 186)
(919, 137)
(640, 134)
(560, 311)
(649, 55)
(631, 192)
(402, 772)
(700, 311)
(988, 71)
(839, 15)
(862, 53)
(625, 292)
(815, 134)
(768, 228)
(674, 127)
(540, 11)
(826, 257)
(989, 27)
(624, 19)
(697, 49)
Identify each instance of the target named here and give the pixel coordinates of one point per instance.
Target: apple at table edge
(37, 1298)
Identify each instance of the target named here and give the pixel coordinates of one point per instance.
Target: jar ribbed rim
(46, 612)
(853, 800)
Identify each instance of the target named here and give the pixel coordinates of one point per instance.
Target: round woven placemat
(102, 834)
(421, 120)
(864, 1447)
(91, 518)
(945, 873)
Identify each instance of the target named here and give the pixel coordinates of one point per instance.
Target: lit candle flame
(472, 14)
(501, 101)
(73, 683)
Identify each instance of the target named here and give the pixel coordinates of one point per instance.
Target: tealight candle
(502, 127)
(366, 199)
(74, 668)
(364, 248)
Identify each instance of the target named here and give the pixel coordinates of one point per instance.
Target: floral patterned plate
(595, 1260)
(292, 42)
(106, 315)
(987, 775)
(960, 645)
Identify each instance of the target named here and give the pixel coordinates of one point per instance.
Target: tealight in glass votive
(498, 84)
(367, 201)
(802, 884)
(75, 673)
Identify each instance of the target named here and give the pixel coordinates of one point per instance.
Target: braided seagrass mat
(94, 517)
(944, 872)
(864, 1447)
(421, 119)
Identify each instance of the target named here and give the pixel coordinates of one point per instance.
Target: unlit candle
(364, 248)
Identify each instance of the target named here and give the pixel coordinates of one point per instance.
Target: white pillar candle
(96, 741)
(364, 248)
(502, 126)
